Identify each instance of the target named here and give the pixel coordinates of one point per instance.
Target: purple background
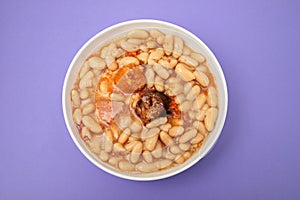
(257, 43)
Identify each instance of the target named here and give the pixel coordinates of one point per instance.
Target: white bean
(147, 156)
(168, 91)
(157, 152)
(150, 133)
(91, 124)
(173, 62)
(187, 155)
(136, 152)
(166, 138)
(84, 69)
(178, 47)
(194, 92)
(212, 98)
(188, 61)
(176, 131)
(97, 63)
(115, 131)
(129, 146)
(192, 115)
(126, 166)
(163, 163)
(88, 109)
(175, 149)
(94, 144)
(173, 80)
(75, 98)
(202, 68)
(151, 44)
(150, 142)
(160, 39)
(165, 127)
(143, 57)
(114, 160)
(85, 102)
(111, 47)
(186, 106)
(95, 81)
(124, 136)
(128, 60)
(104, 52)
(186, 51)
(188, 136)
(177, 122)
(135, 41)
(109, 60)
(155, 33)
(185, 146)
(146, 167)
(168, 44)
(117, 147)
(183, 72)
(89, 75)
(129, 46)
(108, 141)
(103, 156)
(176, 88)
(149, 77)
(200, 100)
(85, 133)
(161, 71)
(197, 56)
(97, 74)
(198, 138)
(143, 48)
(84, 83)
(157, 122)
(179, 159)
(133, 138)
(210, 118)
(77, 116)
(138, 33)
(201, 78)
(136, 126)
(84, 94)
(200, 115)
(201, 128)
(196, 124)
(187, 87)
(124, 121)
(205, 107)
(113, 66)
(117, 97)
(117, 52)
(180, 98)
(159, 84)
(155, 55)
(165, 64)
(170, 63)
(168, 155)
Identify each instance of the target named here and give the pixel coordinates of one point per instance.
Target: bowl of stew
(144, 99)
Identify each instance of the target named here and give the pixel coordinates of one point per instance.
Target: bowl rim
(163, 175)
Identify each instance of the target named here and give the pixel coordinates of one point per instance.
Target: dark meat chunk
(152, 105)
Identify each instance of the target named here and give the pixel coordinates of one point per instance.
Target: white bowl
(117, 31)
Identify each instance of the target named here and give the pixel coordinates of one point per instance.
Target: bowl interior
(117, 31)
